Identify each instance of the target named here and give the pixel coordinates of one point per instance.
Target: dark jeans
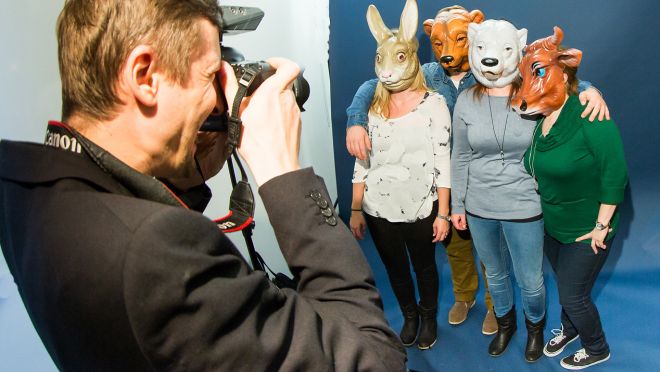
(577, 268)
(395, 241)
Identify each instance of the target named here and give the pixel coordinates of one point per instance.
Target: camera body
(250, 74)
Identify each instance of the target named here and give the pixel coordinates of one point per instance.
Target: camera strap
(241, 201)
(234, 123)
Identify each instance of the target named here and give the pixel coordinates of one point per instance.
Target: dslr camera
(250, 74)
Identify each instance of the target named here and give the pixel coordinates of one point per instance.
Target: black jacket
(115, 281)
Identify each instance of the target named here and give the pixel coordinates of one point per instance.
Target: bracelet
(446, 218)
(356, 210)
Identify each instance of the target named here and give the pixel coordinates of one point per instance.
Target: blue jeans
(500, 243)
(577, 267)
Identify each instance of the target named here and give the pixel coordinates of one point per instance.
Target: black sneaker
(557, 344)
(581, 360)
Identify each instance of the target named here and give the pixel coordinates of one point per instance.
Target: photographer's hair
(96, 36)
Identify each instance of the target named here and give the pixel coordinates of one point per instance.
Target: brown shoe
(490, 324)
(459, 312)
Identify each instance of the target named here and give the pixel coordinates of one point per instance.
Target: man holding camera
(119, 271)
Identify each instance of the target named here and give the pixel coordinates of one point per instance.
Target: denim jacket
(436, 79)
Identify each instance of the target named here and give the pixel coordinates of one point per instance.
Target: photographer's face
(187, 105)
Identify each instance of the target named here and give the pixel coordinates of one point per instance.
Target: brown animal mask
(543, 87)
(448, 34)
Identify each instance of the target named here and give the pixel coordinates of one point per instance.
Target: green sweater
(578, 166)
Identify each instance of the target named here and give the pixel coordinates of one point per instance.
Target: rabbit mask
(397, 64)
(495, 51)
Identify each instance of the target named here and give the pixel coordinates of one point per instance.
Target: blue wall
(620, 58)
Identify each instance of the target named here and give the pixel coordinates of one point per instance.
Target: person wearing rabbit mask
(449, 76)
(448, 33)
(582, 174)
(402, 190)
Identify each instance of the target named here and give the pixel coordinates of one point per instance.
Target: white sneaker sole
(568, 366)
(549, 354)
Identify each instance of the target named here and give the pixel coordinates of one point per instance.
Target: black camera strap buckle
(234, 122)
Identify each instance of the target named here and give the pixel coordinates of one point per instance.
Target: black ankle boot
(428, 331)
(506, 327)
(408, 333)
(534, 347)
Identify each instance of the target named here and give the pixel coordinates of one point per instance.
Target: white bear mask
(495, 52)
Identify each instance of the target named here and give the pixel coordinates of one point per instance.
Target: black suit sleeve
(195, 305)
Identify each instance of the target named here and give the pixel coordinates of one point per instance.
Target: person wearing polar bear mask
(491, 190)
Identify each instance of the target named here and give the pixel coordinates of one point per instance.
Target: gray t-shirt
(482, 184)
(409, 160)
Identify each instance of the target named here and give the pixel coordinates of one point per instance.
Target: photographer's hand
(271, 121)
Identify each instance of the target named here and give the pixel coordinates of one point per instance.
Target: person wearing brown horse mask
(580, 172)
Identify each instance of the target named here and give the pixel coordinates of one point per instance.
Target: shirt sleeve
(460, 158)
(584, 85)
(360, 170)
(440, 138)
(358, 111)
(604, 142)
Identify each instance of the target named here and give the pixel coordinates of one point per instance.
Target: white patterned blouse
(409, 160)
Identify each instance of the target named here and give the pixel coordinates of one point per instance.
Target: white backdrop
(30, 96)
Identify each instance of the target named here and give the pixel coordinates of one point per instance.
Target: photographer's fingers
(228, 84)
(286, 72)
(271, 125)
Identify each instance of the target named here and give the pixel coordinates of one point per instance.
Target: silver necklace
(501, 147)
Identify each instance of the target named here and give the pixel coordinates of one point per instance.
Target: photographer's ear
(139, 75)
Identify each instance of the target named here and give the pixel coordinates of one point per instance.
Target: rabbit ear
(376, 25)
(408, 24)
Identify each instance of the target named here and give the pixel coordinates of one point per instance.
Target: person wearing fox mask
(449, 76)
(402, 190)
(566, 156)
(490, 189)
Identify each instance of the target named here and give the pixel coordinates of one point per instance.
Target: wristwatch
(600, 226)
(446, 218)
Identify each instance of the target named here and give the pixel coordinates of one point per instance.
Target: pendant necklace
(499, 146)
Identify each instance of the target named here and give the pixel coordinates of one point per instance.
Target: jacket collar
(34, 163)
